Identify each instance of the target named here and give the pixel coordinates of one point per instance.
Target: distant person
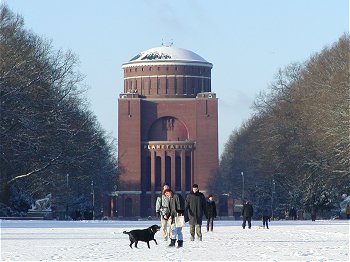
(293, 214)
(266, 218)
(347, 211)
(163, 211)
(247, 214)
(211, 209)
(313, 213)
(177, 208)
(195, 207)
(286, 214)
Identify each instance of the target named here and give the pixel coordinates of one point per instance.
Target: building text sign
(167, 146)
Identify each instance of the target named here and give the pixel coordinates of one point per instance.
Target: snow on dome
(167, 53)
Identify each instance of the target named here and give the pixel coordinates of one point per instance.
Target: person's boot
(180, 243)
(172, 242)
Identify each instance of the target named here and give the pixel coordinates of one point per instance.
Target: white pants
(166, 228)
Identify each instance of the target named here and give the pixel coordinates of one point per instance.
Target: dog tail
(124, 232)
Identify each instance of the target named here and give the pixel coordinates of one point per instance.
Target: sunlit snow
(103, 240)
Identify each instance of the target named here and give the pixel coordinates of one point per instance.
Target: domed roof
(167, 54)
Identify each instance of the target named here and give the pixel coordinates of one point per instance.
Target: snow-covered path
(103, 240)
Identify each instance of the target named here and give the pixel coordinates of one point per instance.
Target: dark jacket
(211, 208)
(247, 210)
(196, 207)
(266, 213)
(176, 205)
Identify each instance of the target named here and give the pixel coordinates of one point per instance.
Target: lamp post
(93, 200)
(242, 174)
(67, 181)
(273, 196)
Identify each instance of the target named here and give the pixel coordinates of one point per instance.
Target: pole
(273, 196)
(67, 180)
(93, 200)
(242, 186)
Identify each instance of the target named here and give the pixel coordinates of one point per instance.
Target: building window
(177, 173)
(158, 170)
(188, 168)
(167, 169)
(166, 86)
(149, 86)
(175, 86)
(146, 178)
(158, 85)
(185, 85)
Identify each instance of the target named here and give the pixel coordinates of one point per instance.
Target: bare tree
(46, 129)
(299, 135)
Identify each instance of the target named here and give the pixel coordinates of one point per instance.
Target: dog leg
(155, 241)
(148, 244)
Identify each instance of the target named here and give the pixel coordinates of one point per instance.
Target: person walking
(347, 211)
(266, 218)
(211, 209)
(293, 213)
(177, 208)
(196, 207)
(247, 213)
(162, 211)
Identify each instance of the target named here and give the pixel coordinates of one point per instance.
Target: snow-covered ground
(103, 240)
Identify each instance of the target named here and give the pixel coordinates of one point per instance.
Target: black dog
(145, 235)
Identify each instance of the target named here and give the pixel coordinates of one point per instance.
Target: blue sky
(247, 42)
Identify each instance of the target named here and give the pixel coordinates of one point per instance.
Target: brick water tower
(167, 127)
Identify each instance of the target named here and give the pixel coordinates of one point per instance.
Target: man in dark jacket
(196, 207)
(247, 213)
(266, 218)
(211, 209)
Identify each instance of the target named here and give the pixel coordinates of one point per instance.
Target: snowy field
(103, 240)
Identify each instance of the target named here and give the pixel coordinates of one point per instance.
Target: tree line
(295, 149)
(50, 141)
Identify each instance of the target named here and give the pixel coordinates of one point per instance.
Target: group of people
(292, 213)
(174, 211)
(247, 214)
